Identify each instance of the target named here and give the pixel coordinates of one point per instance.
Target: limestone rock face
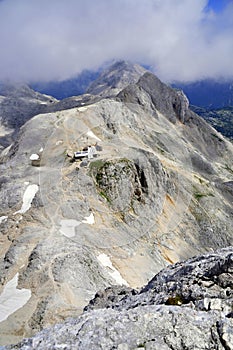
(20, 103)
(203, 283)
(157, 191)
(115, 78)
(123, 183)
(186, 306)
(172, 104)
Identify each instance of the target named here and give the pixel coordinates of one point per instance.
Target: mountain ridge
(158, 190)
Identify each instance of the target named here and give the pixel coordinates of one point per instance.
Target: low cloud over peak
(180, 39)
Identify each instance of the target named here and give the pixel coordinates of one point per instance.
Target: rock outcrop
(186, 306)
(172, 104)
(157, 191)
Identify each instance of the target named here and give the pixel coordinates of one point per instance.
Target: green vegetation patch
(199, 195)
(107, 173)
(176, 300)
(96, 165)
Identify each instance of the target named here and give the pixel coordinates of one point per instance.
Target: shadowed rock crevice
(142, 179)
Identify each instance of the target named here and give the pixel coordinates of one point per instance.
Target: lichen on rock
(120, 182)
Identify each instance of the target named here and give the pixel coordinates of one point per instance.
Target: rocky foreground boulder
(187, 305)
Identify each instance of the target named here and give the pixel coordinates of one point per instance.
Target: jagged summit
(171, 103)
(115, 78)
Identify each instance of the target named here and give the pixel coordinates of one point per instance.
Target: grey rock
(201, 164)
(145, 324)
(19, 103)
(155, 327)
(115, 78)
(225, 328)
(205, 278)
(121, 182)
(174, 105)
(100, 223)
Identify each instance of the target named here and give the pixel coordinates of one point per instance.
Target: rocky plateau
(159, 190)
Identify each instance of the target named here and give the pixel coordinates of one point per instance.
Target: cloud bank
(55, 39)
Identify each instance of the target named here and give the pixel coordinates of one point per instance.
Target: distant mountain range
(67, 88)
(211, 99)
(207, 93)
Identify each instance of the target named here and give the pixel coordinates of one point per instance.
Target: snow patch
(90, 220)
(59, 142)
(4, 131)
(34, 156)
(28, 197)
(6, 151)
(41, 149)
(91, 134)
(68, 227)
(106, 262)
(3, 219)
(12, 299)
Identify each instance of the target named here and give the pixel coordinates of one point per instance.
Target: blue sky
(218, 5)
(56, 39)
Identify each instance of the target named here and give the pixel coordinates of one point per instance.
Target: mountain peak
(171, 103)
(115, 78)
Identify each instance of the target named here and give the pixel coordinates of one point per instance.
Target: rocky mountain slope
(18, 104)
(186, 306)
(115, 78)
(158, 190)
(205, 93)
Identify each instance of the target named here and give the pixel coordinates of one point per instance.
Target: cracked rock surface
(186, 306)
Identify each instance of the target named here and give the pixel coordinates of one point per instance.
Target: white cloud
(43, 40)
